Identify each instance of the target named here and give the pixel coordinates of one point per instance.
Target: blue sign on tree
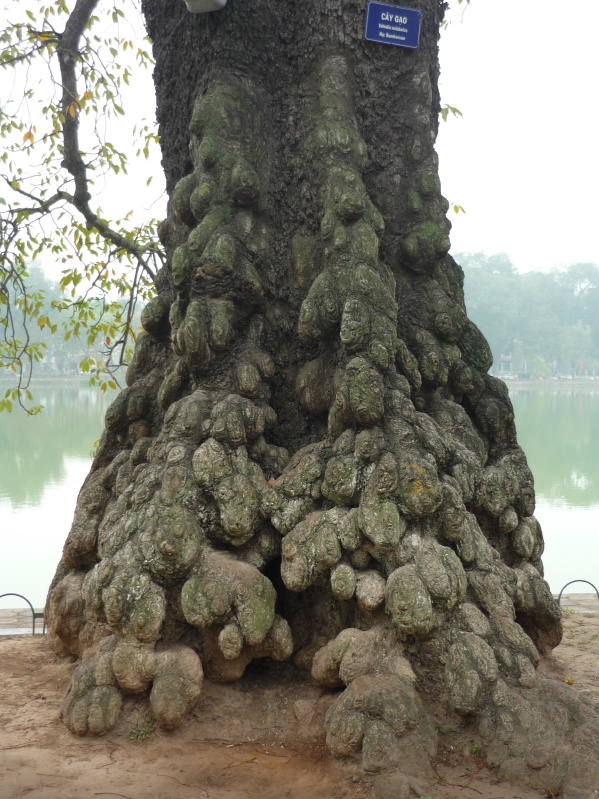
(393, 25)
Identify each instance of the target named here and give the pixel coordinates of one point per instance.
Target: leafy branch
(49, 177)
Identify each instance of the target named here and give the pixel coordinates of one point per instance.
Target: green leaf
(447, 109)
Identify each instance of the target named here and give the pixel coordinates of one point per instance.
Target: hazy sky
(524, 158)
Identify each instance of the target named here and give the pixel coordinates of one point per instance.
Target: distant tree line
(538, 324)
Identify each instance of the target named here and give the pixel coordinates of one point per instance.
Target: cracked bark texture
(310, 461)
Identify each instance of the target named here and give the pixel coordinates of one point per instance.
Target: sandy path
(242, 742)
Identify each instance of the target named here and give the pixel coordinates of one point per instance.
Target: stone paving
(15, 621)
(580, 603)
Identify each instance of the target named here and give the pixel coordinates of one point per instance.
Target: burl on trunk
(310, 461)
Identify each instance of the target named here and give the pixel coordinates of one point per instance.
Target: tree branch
(63, 189)
(68, 55)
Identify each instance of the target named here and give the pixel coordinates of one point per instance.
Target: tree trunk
(310, 461)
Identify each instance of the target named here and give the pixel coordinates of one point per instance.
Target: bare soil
(261, 737)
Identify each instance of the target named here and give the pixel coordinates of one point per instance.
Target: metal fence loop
(34, 614)
(576, 581)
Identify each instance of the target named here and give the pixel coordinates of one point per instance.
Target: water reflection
(33, 449)
(44, 460)
(559, 432)
(32, 536)
(558, 428)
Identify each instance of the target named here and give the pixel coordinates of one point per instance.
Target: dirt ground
(246, 741)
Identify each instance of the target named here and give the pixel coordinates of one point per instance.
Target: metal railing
(576, 581)
(34, 614)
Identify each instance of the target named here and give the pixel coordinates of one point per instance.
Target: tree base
(310, 460)
(544, 736)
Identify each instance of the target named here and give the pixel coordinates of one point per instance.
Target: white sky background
(524, 158)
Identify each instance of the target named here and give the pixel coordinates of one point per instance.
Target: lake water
(558, 428)
(44, 460)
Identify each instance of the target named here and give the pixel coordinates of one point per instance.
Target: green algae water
(44, 460)
(558, 428)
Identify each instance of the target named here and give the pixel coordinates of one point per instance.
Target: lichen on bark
(310, 461)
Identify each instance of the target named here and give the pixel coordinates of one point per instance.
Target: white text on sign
(386, 17)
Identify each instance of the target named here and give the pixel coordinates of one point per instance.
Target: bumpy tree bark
(310, 461)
